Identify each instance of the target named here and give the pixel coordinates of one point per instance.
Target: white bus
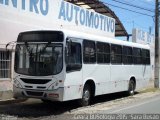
(67, 65)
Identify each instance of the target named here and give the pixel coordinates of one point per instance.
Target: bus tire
(131, 88)
(86, 96)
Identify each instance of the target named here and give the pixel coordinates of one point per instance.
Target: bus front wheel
(86, 96)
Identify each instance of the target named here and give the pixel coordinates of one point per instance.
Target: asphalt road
(145, 106)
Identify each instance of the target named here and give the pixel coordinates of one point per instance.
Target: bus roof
(82, 35)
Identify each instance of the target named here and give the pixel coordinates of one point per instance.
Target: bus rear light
(53, 95)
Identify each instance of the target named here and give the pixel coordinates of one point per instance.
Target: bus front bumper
(54, 95)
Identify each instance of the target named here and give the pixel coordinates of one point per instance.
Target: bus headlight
(17, 84)
(53, 86)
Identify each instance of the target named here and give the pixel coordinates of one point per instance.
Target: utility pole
(157, 46)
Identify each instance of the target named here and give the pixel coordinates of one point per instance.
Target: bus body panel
(73, 85)
(100, 74)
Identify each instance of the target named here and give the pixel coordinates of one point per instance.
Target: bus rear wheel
(131, 88)
(86, 96)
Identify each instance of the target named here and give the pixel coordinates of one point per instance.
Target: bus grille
(34, 93)
(35, 81)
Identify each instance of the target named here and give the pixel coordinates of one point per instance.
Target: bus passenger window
(89, 52)
(116, 54)
(145, 57)
(137, 56)
(127, 55)
(103, 53)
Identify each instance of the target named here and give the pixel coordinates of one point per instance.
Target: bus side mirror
(7, 50)
(12, 43)
(7, 53)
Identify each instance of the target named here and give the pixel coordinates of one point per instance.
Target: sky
(132, 20)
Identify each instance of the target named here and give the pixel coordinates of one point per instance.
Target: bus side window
(145, 57)
(73, 58)
(89, 52)
(103, 53)
(127, 55)
(116, 54)
(137, 56)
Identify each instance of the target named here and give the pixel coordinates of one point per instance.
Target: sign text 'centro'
(37, 6)
(71, 13)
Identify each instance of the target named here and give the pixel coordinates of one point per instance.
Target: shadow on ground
(36, 108)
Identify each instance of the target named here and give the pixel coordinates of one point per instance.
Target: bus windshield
(38, 59)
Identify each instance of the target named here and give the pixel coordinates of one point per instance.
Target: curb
(11, 101)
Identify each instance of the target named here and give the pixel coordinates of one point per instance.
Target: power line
(151, 4)
(140, 26)
(128, 9)
(134, 17)
(133, 6)
(129, 1)
(145, 2)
